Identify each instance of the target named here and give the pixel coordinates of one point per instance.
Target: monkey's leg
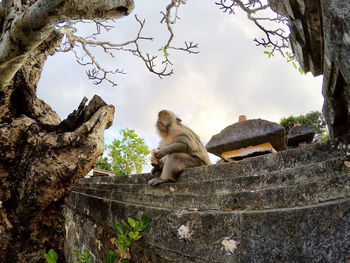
(173, 166)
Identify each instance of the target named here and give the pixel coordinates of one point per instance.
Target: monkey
(179, 147)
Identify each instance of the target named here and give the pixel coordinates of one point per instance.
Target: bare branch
(169, 20)
(189, 47)
(276, 38)
(99, 73)
(33, 26)
(11, 61)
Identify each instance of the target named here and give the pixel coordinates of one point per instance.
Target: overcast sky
(208, 91)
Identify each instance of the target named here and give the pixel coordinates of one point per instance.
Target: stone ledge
(317, 233)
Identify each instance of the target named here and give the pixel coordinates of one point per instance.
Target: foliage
(104, 164)
(127, 232)
(51, 256)
(129, 153)
(110, 257)
(85, 257)
(312, 119)
(291, 58)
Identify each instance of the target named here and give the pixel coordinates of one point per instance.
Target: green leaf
(132, 222)
(137, 238)
(110, 257)
(144, 219)
(137, 225)
(119, 228)
(86, 256)
(76, 252)
(121, 242)
(127, 243)
(51, 256)
(125, 261)
(166, 54)
(143, 227)
(301, 70)
(144, 222)
(267, 52)
(127, 227)
(294, 65)
(134, 235)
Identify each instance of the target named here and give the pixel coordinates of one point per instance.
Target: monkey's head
(165, 120)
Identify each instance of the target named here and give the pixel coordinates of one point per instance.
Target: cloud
(230, 76)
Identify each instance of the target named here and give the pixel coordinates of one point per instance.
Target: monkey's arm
(179, 146)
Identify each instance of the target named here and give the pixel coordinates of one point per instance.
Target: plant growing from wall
(51, 256)
(85, 256)
(127, 232)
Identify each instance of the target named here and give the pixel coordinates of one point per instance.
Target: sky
(230, 76)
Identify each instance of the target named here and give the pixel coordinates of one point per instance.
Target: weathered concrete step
(308, 193)
(302, 156)
(316, 233)
(307, 173)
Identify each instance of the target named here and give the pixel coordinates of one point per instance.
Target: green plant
(313, 119)
(126, 233)
(85, 256)
(291, 58)
(127, 154)
(110, 257)
(51, 256)
(103, 163)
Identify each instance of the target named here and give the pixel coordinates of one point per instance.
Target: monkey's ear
(178, 120)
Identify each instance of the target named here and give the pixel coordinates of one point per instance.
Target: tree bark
(40, 156)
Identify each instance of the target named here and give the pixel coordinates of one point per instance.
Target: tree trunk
(41, 157)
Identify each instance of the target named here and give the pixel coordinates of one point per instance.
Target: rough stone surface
(247, 133)
(305, 19)
(336, 83)
(336, 30)
(320, 40)
(289, 206)
(300, 134)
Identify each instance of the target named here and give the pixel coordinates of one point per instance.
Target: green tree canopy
(313, 119)
(104, 163)
(126, 155)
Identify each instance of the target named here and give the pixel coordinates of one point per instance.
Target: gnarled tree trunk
(40, 156)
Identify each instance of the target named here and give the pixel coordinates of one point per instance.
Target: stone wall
(320, 39)
(290, 206)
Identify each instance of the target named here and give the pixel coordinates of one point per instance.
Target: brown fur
(179, 148)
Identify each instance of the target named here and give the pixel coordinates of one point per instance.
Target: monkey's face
(165, 120)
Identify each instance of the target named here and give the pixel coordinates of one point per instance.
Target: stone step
(302, 156)
(318, 232)
(290, 176)
(311, 192)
